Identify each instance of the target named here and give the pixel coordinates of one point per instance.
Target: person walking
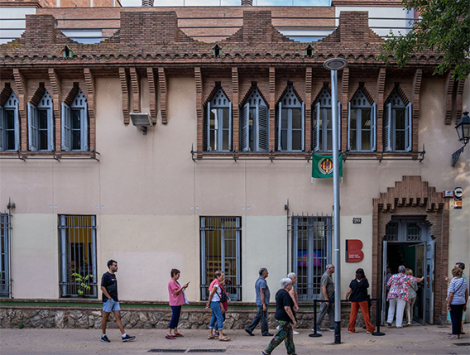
(457, 297)
(285, 317)
(177, 299)
(357, 294)
(214, 302)
(413, 294)
(223, 306)
(111, 302)
(295, 296)
(399, 295)
(327, 293)
(262, 302)
(462, 266)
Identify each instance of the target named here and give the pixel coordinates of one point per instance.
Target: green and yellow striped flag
(322, 166)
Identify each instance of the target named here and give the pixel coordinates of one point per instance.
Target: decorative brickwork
(459, 100)
(448, 99)
(56, 99)
(413, 197)
(90, 94)
(272, 108)
(5, 94)
(123, 76)
(343, 99)
(21, 85)
(415, 101)
(135, 89)
(162, 84)
(380, 107)
(235, 110)
(308, 107)
(152, 94)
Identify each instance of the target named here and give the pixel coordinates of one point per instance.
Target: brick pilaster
(380, 107)
(272, 108)
(415, 102)
(123, 76)
(235, 109)
(163, 86)
(56, 100)
(135, 89)
(21, 85)
(90, 94)
(459, 100)
(308, 108)
(344, 108)
(448, 98)
(152, 94)
(199, 109)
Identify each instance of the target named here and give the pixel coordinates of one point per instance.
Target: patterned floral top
(400, 286)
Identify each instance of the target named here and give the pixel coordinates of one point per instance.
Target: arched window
(9, 125)
(322, 126)
(290, 122)
(361, 123)
(397, 124)
(75, 124)
(219, 123)
(254, 124)
(41, 125)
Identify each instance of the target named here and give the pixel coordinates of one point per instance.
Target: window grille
(219, 123)
(413, 232)
(322, 123)
(361, 123)
(290, 122)
(311, 252)
(397, 124)
(75, 124)
(254, 123)
(391, 232)
(78, 253)
(41, 125)
(4, 254)
(221, 250)
(9, 125)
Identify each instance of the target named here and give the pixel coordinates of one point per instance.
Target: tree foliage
(444, 28)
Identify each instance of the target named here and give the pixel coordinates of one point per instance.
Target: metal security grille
(4, 253)
(391, 232)
(413, 232)
(311, 251)
(221, 250)
(78, 253)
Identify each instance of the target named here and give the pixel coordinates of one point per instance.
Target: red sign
(354, 252)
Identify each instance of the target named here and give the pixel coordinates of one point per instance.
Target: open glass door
(384, 280)
(429, 282)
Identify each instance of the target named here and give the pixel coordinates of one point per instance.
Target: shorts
(111, 306)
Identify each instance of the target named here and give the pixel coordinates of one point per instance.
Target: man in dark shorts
(111, 302)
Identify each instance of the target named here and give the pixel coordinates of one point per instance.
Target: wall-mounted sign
(457, 204)
(354, 252)
(458, 192)
(357, 220)
(448, 193)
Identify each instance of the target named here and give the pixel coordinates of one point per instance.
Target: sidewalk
(415, 340)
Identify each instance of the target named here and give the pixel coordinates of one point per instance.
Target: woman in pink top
(177, 299)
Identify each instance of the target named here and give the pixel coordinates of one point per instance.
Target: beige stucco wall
(148, 195)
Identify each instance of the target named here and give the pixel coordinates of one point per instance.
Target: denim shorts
(111, 306)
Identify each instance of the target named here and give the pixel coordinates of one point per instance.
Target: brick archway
(413, 197)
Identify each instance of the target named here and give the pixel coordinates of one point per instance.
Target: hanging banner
(322, 166)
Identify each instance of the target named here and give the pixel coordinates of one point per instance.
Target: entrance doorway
(408, 242)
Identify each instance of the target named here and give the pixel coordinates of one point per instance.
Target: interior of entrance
(412, 256)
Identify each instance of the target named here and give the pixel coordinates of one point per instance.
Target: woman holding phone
(177, 299)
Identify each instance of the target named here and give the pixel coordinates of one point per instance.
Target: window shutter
(349, 126)
(387, 127)
(409, 128)
(263, 129)
(279, 128)
(208, 127)
(316, 130)
(50, 129)
(17, 127)
(84, 128)
(32, 127)
(303, 126)
(339, 125)
(245, 127)
(66, 121)
(373, 123)
(2, 135)
(230, 126)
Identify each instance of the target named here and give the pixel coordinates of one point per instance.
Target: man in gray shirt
(262, 301)
(326, 293)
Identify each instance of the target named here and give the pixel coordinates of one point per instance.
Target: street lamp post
(335, 64)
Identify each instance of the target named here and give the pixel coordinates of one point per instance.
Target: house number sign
(357, 220)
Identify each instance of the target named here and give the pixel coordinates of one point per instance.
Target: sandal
(224, 339)
(210, 337)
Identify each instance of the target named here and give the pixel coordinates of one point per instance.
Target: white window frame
(33, 122)
(254, 137)
(79, 103)
(10, 105)
(320, 114)
(288, 103)
(219, 103)
(359, 103)
(394, 103)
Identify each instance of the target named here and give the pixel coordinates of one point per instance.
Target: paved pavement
(415, 340)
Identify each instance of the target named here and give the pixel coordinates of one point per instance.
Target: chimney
(247, 2)
(147, 3)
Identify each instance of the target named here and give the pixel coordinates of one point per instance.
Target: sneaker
(295, 332)
(249, 332)
(127, 338)
(104, 339)
(168, 336)
(318, 330)
(332, 329)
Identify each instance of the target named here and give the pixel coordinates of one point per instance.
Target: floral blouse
(400, 286)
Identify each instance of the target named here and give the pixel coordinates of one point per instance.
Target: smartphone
(187, 283)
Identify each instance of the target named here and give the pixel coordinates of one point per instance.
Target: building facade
(221, 177)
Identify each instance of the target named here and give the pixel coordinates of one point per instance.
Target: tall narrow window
(219, 123)
(397, 124)
(9, 125)
(311, 247)
(41, 125)
(322, 123)
(290, 122)
(4, 254)
(254, 124)
(361, 123)
(78, 253)
(75, 124)
(221, 250)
